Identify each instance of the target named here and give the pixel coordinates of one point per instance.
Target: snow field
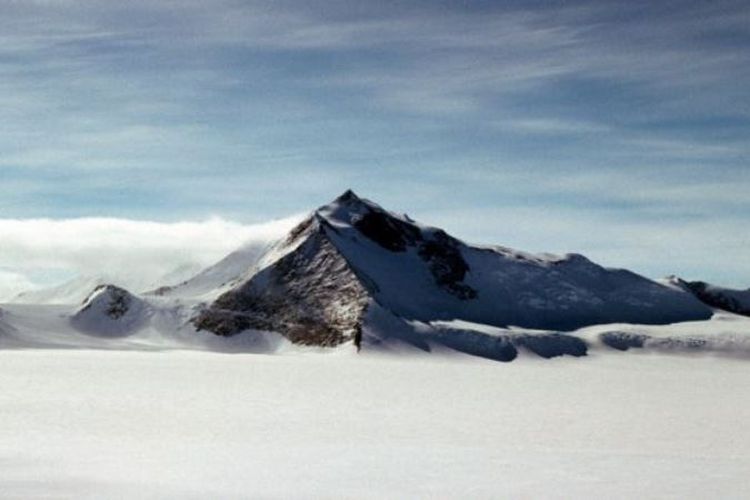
(187, 424)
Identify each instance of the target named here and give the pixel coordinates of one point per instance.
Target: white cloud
(13, 283)
(133, 253)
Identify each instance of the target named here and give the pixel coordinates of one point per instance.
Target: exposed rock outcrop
(310, 295)
(726, 299)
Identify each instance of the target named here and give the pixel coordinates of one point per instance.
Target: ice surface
(93, 424)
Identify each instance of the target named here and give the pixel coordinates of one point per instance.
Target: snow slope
(164, 324)
(70, 292)
(77, 289)
(211, 281)
(193, 425)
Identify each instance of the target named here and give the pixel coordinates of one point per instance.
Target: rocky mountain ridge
(726, 299)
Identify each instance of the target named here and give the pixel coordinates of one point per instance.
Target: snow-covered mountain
(354, 276)
(350, 256)
(110, 310)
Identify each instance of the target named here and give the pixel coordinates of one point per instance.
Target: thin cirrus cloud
(611, 112)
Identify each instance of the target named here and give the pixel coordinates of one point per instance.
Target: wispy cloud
(551, 126)
(158, 109)
(12, 283)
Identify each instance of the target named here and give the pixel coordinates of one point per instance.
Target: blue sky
(615, 129)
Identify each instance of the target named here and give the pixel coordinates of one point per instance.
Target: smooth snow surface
(98, 424)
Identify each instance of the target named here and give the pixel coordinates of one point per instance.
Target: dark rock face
(672, 343)
(441, 252)
(311, 296)
(161, 291)
(498, 348)
(716, 297)
(505, 347)
(447, 265)
(388, 232)
(300, 230)
(552, 345)
(622, 341)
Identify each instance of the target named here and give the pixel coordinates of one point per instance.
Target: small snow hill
(111, 311)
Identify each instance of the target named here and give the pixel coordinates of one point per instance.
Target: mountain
(352, 264)
(726, 299)
(354, 276)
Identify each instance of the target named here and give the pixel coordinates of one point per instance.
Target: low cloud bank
(36, 253)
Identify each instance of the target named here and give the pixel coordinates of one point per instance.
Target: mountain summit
(351, 261)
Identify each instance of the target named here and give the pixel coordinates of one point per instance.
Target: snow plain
(189, 424)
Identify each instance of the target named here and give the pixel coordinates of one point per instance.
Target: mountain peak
(347, 203)
(349, 209)
(347, 197)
